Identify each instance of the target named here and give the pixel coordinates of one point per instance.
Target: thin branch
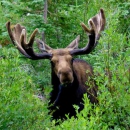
(45, 11)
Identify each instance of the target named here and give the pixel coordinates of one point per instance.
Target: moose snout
(65, 76)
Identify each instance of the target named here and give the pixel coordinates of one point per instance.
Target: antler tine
(97, 24)
(28, 47)
(15, 42)
(18, 38)
(42, 46)
(10, 32)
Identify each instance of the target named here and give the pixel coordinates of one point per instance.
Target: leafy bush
(19, 103)
(22, 81)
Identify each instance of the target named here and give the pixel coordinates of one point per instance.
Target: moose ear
(74, 44)
(42, 46)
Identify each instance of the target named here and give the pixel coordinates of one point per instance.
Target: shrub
(23, 80)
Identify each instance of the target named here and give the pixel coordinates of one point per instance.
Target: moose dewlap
(68, 75)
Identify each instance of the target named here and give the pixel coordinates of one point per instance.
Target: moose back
(69, 75)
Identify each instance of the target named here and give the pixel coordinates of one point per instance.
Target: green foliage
(23, 80)
(19, 103)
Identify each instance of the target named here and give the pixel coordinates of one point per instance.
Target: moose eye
(72, 60)
(69, 59)
(52, 63)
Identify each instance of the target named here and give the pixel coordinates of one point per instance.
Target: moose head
(66, 71)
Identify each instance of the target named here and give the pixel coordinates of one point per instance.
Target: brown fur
(62, 65)
(69, 85)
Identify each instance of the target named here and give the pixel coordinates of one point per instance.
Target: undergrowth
(25, 85)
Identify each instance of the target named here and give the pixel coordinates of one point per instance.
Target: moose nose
(65, 76)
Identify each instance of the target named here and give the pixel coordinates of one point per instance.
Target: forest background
(25, 84)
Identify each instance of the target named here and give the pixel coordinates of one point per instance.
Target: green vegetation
(23, 80)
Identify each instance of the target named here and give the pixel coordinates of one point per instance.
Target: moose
(71, 78)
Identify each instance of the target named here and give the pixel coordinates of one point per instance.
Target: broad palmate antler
(18, 38)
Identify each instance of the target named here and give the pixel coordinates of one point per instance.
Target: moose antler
(97, 24)
(18, 38)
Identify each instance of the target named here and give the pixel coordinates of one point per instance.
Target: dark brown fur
(64, 96)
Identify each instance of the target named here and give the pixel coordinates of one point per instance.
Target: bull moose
(68, 75)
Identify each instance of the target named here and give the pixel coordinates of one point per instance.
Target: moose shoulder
(69, 75)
